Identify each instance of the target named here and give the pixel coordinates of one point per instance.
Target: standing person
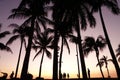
(68, 75)
(11, 75)
(88, 73)
(64, 75)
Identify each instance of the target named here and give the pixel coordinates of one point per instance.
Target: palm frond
(48, 54)
(4, 47)
(118, 51)
(38, 29)
(49, 31)
(87, 50)
(35, 47)
(66, 43)
(50, 39)
(113, 6)
(24, 41)
(19, 13)
(88, 45)
(48, 20)
(26, 22)
(101, 42)
(43, 23)
(111, 60)
(73, 39)
(101, 63)
(13, 25)
(90, 17)
(51, 46)
(118, 54)
(119, 59)
(12, 39)
(3, 34)
(40, 51)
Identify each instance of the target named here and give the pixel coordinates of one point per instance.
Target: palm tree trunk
(78, 63)
(19, 58)
(60, 77)
(27, 55)
(55, 56)
(41, 64)
(84, 74)
(109, 45)
(108, 71)
(97, 52)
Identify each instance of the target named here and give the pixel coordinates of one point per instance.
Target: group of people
(64, 76)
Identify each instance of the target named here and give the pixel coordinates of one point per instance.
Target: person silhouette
(11, 75)
(88, 73)
(64, 75)
(68, 75)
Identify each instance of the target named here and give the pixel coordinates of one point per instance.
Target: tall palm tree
(90, 44)
(112, 5)
(74, 39)
(33, 10)
(118, 52)
(2, 35)
(77, 14)
(105, 60)
(20, 32)
(64, 32)
(43, 43)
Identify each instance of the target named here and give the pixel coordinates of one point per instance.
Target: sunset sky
(8, 61)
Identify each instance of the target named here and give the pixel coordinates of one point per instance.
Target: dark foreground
(89, 79)
(81, 79)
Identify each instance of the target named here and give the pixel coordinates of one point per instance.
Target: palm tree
(105, 60)
(74, 39)
(112, 5)
(100, 64)
(64, 32)
(90, 44)
(2, 35)
(43, 43)
(76, 13)
(20, 32)
(33, 10)
(118, 52)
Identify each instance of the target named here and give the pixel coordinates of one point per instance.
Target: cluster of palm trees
(68, 17)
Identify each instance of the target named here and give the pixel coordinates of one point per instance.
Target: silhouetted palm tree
(43, 43)
(105, 60)
(100, 64)
(74, 39)
(118, 52)
(64, 31)
(2, 35)
(77, 14)
(20, 32)
(90, 44)
(113, 7)
(33, 10)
